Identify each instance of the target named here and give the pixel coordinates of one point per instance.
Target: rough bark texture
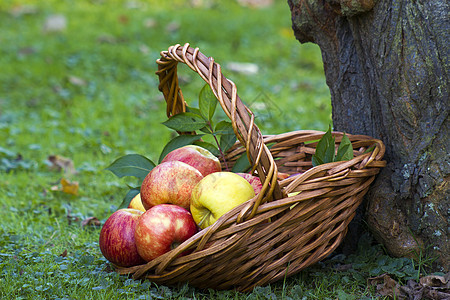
(387, 66)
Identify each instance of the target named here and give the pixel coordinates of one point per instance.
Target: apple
(197, 157)
(169, 182)
(254, 181)
(282, 176)
(216, 194)
(136, 203)
(117, 242)
(161, 229)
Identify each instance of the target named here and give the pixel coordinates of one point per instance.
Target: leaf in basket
(324, 150)
(226, 141)
(185, 122)
(208, 146)
(227, 136)
(345, 150)
(224, 127)
(131, 165)
(179, 141)
(128, 197)
(242, 164)
(207, 102)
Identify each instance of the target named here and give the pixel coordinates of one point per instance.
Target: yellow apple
(216, 194)
(136, 203)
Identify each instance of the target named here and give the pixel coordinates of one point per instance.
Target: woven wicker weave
(272, 235)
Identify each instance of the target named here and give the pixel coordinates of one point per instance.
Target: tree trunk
(386, 63)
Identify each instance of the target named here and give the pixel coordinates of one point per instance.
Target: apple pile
(186, 192)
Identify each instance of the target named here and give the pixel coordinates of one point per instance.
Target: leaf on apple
(185, 122)
(131, 165)
(128, 197)
(179, 141)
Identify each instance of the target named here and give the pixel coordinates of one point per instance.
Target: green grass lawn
(87, 91)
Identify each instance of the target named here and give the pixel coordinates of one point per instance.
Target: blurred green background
(79, 75)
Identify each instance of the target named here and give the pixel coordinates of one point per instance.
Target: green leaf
(242, 164)
(227, 136)
(370, 149)
(131, 165)
(224, 127)
(194, 110)
(208, 146)
(316, 161)
(177, 142)
(345, 150)
(128, 197)
(185, 122)
(324, 150)
(207, 102)
(227, 141)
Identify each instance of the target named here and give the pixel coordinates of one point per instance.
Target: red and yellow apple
(170, 182)
(136, 203)
(197, 157)
(117, 242)
(254, 181)
(216, 194)
(161, 229)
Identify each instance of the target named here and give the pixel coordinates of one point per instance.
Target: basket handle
(241, 117)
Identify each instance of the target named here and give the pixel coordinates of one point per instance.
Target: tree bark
(386, 63)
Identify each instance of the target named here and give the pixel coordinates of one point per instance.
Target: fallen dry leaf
(59, 163)
(91, 221)
(385, 286)
(429, 287)
(434, 281)
(66, 186)
(69, 187)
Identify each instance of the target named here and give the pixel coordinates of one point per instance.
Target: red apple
(117, 241)
(254, 181)
(162, 228)
(169, 182)
(197, 157)
(282, 175)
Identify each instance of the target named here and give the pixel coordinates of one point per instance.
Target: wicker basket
(272, 235)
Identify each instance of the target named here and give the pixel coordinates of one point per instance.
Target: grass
(89, 93)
